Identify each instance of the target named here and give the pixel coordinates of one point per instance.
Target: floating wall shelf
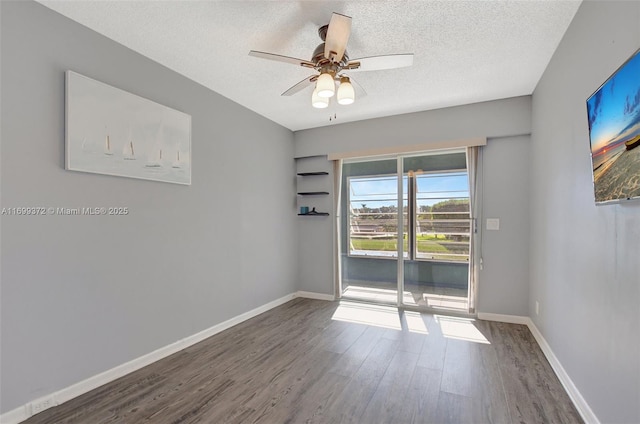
(313, 193)
(308, 174)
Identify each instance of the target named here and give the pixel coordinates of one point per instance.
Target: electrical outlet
(537, 307)
(41, 404)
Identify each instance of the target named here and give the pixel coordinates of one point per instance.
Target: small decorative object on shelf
(314, 212)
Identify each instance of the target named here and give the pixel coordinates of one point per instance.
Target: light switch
(493, 224)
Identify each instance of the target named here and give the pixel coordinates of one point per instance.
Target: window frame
(411, 253)
(394, 253)
(414, 248)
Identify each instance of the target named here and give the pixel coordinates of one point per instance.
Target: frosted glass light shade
(319, 102)
(325, 85)
(346, 93)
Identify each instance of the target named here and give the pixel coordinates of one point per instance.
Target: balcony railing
(440, 236)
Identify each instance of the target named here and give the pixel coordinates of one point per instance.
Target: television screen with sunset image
(614, 133)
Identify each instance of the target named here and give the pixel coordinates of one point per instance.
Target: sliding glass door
(407, 230)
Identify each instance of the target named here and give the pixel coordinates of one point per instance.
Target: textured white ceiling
(465, 51)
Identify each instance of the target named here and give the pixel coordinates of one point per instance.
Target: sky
(431, 189)
(614, 110)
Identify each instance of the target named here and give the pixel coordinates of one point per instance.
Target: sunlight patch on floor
(380, 316)
(372, 294)
(460, 329)
(415, 322)
(445, 301)
(432, 297)
(361, 313)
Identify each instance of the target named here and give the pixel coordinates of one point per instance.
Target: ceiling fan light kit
(330, 59)
(319, 102)
(346, 93)
(325, 86)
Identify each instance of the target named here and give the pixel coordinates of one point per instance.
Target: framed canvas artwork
(113, 132)
(614, 134)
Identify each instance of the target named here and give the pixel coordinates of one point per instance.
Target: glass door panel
(436, 267)
(370, 227)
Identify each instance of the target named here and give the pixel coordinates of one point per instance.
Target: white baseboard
(313, 295)
(21, 413)
(580, 403)
(576, 397)
(15, 416)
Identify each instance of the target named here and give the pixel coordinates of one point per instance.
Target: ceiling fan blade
(300, 86)
(360, 91)
(280, 58)
(378, 63)
(337, 37)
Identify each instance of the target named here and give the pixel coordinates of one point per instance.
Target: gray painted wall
(315, 233)
(503, 287)
(585, 267)
(82, 294)
(500, 118)
(504, 279)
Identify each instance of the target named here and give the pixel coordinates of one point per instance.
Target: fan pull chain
(333, 118)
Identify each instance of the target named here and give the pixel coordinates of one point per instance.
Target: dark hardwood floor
(297, 364)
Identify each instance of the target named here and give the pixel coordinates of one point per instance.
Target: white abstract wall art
(113, 132)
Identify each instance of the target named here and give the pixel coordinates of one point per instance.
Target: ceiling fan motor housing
(322, 32)
(324, 64)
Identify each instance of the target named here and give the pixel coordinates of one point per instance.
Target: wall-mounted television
(614, 134)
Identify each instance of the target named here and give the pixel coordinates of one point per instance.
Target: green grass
(422, 237)
(375, 244)
(431, 247)
(426, 244)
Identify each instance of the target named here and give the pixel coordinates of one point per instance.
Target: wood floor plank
(355, 397)
(410, 337)
(532, 389)
(489, 401)
(261, 386)
(389, 399)
(421, 398)
(296, 364)
(457, 369)
(314, 404)
(343, 341)
(285, 393)
(433, 348)
(454, 409)
(353, 357)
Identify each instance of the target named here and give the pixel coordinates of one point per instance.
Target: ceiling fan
(330, 60)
